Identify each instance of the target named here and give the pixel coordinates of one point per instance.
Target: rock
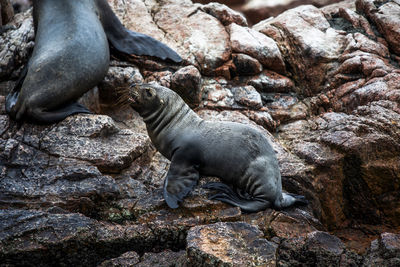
(142, 21)
(187, 83)
(130, 258)
(16, 45)
(246, 65)
(217, 96)
(81, 137)
(264, 119)
(308, 38)
(318, 248)
(385, 15)
(269, 81)
(33, 178)
(229, 244)
(90, 187)
(204, 41)
(256, 45)
(247, 96)
(224, 14)
(162, 77)
(257, 10)
(165, 258)
(89, 242)
(384, 251)
(6, 12)
(118, 80)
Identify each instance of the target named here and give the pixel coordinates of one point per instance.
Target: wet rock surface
(322, 83)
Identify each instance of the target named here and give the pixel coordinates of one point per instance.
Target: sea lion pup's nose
(134, 93)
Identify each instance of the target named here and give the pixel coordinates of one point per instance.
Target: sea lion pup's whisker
(238, 154)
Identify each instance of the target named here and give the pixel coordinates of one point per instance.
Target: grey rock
(229, 244)
(187, 83)
(384, 251)
(247, 96)
(82, 137)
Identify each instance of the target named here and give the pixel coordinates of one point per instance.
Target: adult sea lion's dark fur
(71, 55)
(238, 154)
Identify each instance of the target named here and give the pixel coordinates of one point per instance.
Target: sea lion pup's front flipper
(227, 195)
(130, 42)
(182, 176)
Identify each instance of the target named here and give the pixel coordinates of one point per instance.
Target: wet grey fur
(71, 56)
(238, 154)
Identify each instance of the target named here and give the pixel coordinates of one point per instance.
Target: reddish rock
(309, 44)
(187, 83)
(247, 96)
(385, 16)
(256, 45)
(224, 14)
(246, 65)
(257, 10)
(269, 81)
(204, 41)
(217, 95)
(162, 77)
(264, 119)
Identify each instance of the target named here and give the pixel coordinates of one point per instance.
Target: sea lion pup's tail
(248, 203)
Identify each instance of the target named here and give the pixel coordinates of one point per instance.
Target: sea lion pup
(238, 154)
(71, 56)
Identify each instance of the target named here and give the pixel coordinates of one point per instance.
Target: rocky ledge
(323, 84)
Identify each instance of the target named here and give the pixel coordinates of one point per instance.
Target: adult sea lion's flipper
(227, 195)
(58, 114)
(130, 42)
(181, 178)
(12, 97)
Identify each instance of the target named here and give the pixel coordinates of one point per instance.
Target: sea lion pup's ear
(130, 42)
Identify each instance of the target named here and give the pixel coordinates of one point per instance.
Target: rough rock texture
(257, 10)
(323, 84)
(229, 244)
(6, 12)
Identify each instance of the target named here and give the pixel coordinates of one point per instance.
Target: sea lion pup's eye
(149, 92)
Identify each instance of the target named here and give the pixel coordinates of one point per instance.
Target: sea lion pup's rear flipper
(130, 42)
(181, 178)
(227, 195)
(57, 115)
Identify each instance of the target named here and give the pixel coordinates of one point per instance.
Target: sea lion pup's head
(148, 97)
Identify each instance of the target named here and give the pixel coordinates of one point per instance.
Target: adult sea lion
(238, 154)
(71, 56)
